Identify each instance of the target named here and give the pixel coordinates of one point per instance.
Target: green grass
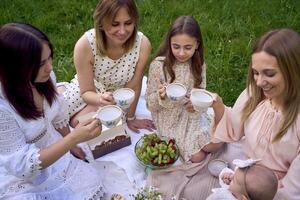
(229, 28)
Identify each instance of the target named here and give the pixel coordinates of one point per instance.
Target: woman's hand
(217, 100)
(87, 130)
(106, 99)
(162, 90)
(137, 124)
(218, 107)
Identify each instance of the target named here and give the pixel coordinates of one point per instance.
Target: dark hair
(284, 45)
(106, 11)
(21, 48)
(187, 25)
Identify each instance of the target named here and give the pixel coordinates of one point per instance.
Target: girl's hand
(189, 107)
(162, 90)
(227, 177)
(137, 124)
(106, 99)
(87, 130)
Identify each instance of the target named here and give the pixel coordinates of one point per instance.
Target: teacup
(201, 99)
(109, 115)
(176, 91)
(124, 97)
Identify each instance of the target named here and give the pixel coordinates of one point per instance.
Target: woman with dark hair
(267, 113)
(35, 162)
(110, 56)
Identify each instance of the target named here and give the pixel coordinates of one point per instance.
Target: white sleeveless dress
(109, 74)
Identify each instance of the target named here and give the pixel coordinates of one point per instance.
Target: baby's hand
(227, 177)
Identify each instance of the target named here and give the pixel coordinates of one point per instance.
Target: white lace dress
(20, 173)
(109, 74)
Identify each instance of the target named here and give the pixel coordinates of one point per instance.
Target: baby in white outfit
(249, 181)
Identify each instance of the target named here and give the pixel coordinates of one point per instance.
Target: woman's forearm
(91, 98)
(55, 151)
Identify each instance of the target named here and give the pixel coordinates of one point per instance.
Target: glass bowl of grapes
(156, 152)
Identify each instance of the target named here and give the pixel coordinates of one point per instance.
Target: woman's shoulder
(90, 33)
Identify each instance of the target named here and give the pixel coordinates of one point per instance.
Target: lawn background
(229, 29)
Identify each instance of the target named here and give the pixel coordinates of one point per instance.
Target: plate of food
(156, 152)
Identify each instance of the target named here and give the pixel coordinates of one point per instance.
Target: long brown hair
(284, 45)
(187, 25)
(21, 48)
(106, 11)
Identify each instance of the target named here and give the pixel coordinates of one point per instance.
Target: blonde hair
(284, 45)
(106, 11)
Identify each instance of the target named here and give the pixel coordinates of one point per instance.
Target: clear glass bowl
(150, 165)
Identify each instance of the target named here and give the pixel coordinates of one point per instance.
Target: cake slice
(111, 139)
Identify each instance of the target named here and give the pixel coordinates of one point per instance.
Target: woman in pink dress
(267, 112)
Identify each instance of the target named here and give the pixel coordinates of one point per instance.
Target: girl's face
(183, 47)
(121, 28)
(45, 66)
(268, 76)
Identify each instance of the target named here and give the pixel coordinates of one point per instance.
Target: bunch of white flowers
(150, 193)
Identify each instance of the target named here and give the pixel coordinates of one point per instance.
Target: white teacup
(124, 97)
(176, 91)
(201, 99)
(109, 115)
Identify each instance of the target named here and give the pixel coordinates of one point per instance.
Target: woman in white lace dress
(110, 56)
(35, 162)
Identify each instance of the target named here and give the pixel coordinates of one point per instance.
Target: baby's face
(237, 185)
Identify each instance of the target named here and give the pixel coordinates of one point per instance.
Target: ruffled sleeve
(16, 156)
(156, 76)
(61, 119)
(230, 127)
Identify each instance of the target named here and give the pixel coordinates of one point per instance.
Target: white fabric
(221, 194)
(124, 162)
(245, 163)
(20, 143)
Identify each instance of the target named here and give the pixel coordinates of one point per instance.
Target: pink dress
(259, 129)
